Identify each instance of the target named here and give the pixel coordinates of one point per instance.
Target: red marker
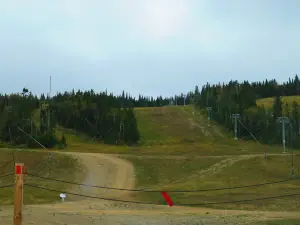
(18, 169)
(167, 198)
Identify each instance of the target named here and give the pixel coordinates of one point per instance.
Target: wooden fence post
(18, 195)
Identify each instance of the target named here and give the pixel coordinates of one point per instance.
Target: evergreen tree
(277, 107)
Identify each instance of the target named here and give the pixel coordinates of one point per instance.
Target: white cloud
(158, 19)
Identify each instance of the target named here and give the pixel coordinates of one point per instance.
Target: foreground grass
(153, 171)
(38, 163)
(278, 222)
(243, 172)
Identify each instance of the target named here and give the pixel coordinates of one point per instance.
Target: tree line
(262, 121)
(26, 119)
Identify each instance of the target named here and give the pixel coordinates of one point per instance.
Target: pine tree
(64, 141)
(277, 107)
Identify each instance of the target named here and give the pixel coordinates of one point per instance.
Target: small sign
(19, 169)
(62, 196)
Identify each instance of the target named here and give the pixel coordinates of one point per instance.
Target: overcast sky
(152, 47)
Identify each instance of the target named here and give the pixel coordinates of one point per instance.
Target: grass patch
(153, 171)
(268, 102)
(212, 148)
(38, 163)
(279, 222)
(242, 172)
(168, 125)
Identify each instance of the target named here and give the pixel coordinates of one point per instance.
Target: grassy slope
(185, 132)
(37, 163)
(173, 126)
(268, 102)
(170, 131)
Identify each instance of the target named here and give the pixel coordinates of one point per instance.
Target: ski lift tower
(283, 120)
(235, 116)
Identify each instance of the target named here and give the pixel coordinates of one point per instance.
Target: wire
(249, 131)
(87, 196)
(152, 203)
(171, 191)
(87, 185)
(50, 153)
(7, 185)
(13, 151)
(6, 175)
(245, 200)
(34, 140)
(13, 157)
(6, 163)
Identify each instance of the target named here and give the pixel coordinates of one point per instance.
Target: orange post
(18, 195)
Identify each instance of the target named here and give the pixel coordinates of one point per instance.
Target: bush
(48, 140)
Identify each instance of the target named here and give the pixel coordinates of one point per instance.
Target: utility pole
(235, 116)
(283, 120)
(50, 88)
(291, 146)
(184, 96)
(18, 194)
(49, 106)
(208, 114)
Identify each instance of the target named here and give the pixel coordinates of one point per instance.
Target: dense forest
(240, 98)
(26, 119)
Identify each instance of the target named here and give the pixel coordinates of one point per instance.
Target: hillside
(171, 130)
(180, 150)
(174, 124)
(227, 162)
(268, 102)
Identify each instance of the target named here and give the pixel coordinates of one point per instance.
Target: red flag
(167, 198)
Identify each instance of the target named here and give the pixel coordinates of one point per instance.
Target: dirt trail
(108, 170)
(104, 170)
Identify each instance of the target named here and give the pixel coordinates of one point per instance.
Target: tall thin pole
(50, 88)
(208, 114)
(235, 129)
(283, 136)
(49, 106)
(235, 116)
(292, 140)
(18, 195)
(293, 170)
(283, 121)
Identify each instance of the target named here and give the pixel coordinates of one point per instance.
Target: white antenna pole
(49, 106)
(50, 88)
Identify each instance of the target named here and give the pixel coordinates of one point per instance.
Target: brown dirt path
(107, 170)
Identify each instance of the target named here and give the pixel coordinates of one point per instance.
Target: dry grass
(167, 125)
(279, 222)
(245, 171)
(37, 163)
